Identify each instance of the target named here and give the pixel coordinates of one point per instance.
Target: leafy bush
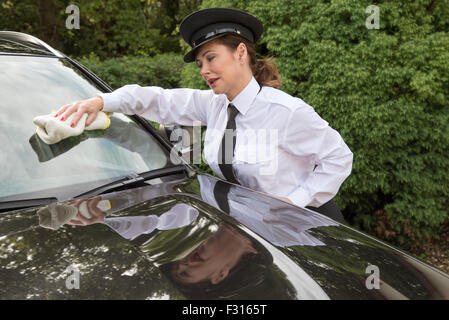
(110, 28)
(161, 70)
(385, 90)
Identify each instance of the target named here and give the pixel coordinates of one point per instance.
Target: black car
(151, 226)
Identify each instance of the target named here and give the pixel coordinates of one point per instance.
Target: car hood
(234, 243)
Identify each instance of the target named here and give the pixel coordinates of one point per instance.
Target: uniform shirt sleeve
(307, 135)
(166, 106)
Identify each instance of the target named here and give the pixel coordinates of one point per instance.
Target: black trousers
(330, 209)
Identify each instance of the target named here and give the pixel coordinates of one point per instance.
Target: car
(119, 214)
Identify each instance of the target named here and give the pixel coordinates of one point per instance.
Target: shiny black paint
(34, 259)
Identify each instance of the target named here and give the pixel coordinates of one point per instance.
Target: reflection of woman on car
(212, 260)
(295, 156)
(205, 258)
(226, 264)
(125, 134)
(276, 221)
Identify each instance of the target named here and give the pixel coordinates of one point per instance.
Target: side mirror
(182, 137)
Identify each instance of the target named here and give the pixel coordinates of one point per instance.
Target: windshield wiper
(25, 203)
(136, 180)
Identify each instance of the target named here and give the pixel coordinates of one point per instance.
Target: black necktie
(225, 154)
(221, 190)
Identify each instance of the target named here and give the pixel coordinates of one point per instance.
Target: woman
(279, 144)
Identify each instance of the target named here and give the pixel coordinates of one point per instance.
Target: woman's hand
(90, 106)
(97, 215)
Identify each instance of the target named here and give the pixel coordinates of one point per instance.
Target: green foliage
(161, 70)
(117, 28)
(108, 28)
(385, 90)
(191, 77)
(15, 16)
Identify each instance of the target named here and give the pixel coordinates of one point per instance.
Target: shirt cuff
(111, 102)
(300, 197)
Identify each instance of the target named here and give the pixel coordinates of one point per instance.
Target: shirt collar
(245, 98)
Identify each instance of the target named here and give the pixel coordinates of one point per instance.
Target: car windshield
(29, 168)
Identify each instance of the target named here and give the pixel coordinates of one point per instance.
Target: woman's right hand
(96, 215)
(90, 106)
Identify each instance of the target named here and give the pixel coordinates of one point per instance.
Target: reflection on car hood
(231, 242)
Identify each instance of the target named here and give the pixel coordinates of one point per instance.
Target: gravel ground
(437, 254)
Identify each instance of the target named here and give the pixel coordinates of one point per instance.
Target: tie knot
(232, 110)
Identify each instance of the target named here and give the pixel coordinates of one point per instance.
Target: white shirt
(279, 141)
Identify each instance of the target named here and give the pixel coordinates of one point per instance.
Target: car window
(7, 46)
(33, 86)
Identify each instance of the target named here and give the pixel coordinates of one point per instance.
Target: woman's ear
(242, 52)
(220, 275)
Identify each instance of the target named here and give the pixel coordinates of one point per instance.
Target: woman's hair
(264, 70)
(247, 266)
(243, 281)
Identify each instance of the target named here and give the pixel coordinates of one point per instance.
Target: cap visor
(191, 55)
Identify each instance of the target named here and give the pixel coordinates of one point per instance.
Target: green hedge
(162, 70)
(385, 90)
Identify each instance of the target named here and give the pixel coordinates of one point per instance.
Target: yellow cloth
(52, 130)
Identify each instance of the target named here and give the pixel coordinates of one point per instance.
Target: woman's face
(214, 258)
(226, 71)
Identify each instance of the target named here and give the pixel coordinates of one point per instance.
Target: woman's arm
(166, 106)
(308, 135)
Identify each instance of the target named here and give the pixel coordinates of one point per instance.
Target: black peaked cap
(205, 25)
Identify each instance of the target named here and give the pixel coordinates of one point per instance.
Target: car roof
(18, 43)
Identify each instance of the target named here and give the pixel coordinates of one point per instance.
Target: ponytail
(264, 71)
